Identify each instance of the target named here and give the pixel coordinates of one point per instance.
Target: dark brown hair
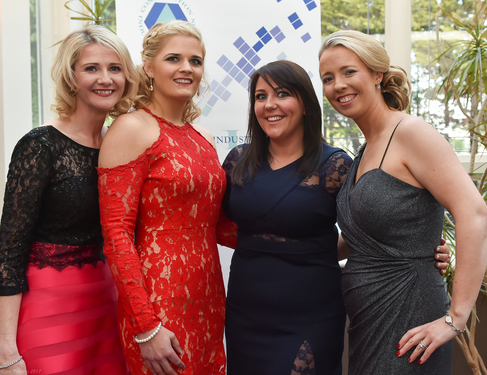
(294, 79)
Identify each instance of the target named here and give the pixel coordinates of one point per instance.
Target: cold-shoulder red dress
(159, 215)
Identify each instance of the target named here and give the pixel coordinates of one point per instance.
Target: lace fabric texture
(50, 197)
(159, 215)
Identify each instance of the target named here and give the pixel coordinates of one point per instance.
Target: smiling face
(177, 69)
(279, 113)
(100, 79)
(349, 86)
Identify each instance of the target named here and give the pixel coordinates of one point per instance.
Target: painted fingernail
(420, 361)
(397, 354)
(409, 360)
(399, 346)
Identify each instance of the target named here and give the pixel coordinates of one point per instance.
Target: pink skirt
(68, 323)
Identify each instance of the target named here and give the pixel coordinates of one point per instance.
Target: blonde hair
(69, 53)
(153, 42)
(395, 85)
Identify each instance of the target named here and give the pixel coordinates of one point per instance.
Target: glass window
(364, 16)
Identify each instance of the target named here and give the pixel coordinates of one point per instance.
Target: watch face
(448, 319)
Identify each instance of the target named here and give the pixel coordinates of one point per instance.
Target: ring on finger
(422, 345)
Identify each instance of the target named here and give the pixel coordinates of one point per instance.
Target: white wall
(15, 77)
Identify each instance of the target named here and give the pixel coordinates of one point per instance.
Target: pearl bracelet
(12, 363)
(140, 341)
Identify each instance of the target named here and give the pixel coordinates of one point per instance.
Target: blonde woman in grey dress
(390, 210)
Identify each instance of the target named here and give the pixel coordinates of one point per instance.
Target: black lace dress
(51, 251)
(285, 313)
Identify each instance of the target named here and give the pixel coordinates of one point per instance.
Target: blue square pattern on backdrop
(245, 67)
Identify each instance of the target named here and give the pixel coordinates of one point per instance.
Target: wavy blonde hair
(153, 42)
(69, 53)
(395, 85)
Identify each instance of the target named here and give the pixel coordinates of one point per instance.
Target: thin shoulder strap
(390, 139)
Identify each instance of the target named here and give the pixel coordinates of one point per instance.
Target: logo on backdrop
(231, 139)
(153, 12)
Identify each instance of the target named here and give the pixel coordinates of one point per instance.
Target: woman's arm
(9, 316)
(343, 249)
(27, 179)
(226, 227)
(434, 165)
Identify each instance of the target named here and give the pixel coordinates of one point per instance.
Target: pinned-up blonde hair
(395, 85)
(69, 53)
(153, 42)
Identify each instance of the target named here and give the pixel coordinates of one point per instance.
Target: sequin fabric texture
(159, 215)
(390, 283)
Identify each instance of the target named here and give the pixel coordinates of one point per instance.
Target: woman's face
(100, 79)
(280, 114)
(177, 69)
(348, 84)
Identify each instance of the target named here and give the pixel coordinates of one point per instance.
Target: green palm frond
(93, 15)
(467, 73)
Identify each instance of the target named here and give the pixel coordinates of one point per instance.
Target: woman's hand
(426, 338)
(443, 257)
(160, 351)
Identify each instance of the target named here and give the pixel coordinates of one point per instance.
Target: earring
(198, 92)
(378, 86)
(151, 87)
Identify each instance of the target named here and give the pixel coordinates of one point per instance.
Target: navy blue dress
(285, 313)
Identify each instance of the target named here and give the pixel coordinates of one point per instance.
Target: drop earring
(151, 87)
(378, 86)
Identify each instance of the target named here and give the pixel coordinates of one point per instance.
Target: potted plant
(464, 83)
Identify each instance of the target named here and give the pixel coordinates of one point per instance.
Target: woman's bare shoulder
(127, 138)
(205, 133)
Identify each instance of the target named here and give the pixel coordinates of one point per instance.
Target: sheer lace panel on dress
(304, 364)
(329, 177)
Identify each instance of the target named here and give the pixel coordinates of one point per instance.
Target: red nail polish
(409, 360)
(399, 346)
(420, 361)
(397, 354)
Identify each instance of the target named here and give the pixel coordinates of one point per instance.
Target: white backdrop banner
(240, 36)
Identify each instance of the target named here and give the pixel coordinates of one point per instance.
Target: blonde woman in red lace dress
(161, 187)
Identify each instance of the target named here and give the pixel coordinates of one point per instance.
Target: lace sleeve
(120, 189)
(227, 229)
(27, 178)
(334, 171)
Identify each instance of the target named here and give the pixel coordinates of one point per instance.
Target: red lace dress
(159, 215)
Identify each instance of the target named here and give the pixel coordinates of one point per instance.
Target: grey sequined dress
(390, 283)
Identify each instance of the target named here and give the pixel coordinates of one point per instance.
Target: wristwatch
(449, 321)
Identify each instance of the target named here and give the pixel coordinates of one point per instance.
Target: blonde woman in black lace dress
(58, 300)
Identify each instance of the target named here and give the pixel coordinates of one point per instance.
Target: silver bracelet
(140, 341)
(449, 321)
(12, 363)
